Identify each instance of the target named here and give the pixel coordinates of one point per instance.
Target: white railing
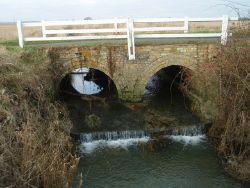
(120, 29)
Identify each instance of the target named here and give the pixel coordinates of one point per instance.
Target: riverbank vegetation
(231, 131)
(35, 143)
(225, 87)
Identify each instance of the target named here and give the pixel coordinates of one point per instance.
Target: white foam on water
(89, 147)
(192, 140)
(123, 139)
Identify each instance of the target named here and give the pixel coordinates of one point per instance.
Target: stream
(155, 144)
(134, 155)
(178, 161)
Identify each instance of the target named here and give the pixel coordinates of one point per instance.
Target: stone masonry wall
(130, 77)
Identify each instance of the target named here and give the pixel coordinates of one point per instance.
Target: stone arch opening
(167, 85)
(87, 82)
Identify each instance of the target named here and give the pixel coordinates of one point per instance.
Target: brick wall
(130, 77)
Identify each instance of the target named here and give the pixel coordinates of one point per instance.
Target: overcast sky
(12, 10)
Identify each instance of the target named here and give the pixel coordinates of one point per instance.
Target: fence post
(131, 39)
(224, 30)
(185, 24)
(43, 29)
(20, 33)
(115, 24)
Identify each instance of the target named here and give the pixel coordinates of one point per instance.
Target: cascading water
(188, 135)
(123, 139)
(112, 159)
(112, 135)
(114, 139)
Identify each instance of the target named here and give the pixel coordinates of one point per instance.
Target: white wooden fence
(120, 29)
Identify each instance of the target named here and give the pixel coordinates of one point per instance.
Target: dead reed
(231, 131)
(225, 81)
(35, 143)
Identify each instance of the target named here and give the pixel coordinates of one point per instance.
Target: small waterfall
(113, 135)
(188, 135)
(114, 139)
(188, 131)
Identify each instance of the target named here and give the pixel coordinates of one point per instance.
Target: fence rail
(120, 29)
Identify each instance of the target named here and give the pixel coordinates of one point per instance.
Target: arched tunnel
(88, 82)
(87, 92)
(91, 93)
(167, 102)
(167, 84)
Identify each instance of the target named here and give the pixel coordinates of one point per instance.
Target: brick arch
(157, 66)
(78, 65)
(69, 67)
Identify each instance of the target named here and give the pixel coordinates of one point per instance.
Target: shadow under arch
(165, 95)
(166, 85)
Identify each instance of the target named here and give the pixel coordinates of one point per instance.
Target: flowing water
(157, 145)
(134, 159)
(180, 156)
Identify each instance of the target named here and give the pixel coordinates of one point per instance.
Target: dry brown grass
(9, 32)
(35, 143)
(225, 78)
(231, 131)
(220, 93)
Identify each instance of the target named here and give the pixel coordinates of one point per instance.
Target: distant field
(8, 31)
